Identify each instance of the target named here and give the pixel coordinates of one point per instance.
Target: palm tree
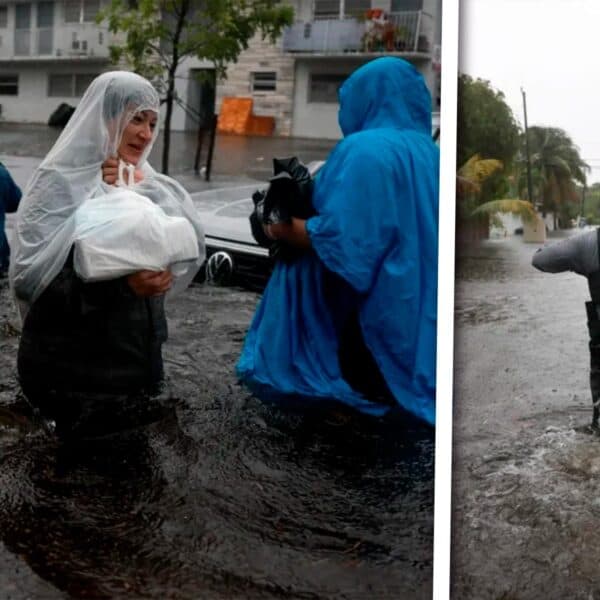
(555, 166)
(469, 179)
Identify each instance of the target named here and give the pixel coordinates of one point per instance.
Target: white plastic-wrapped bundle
(123, 232)
(49, 222)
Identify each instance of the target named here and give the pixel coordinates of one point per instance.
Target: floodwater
(526, 492)
(225, 497)
(234, 155)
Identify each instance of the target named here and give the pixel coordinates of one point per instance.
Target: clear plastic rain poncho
(149, 225)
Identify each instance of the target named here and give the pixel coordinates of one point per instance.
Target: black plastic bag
(289, 195)
(257, 220)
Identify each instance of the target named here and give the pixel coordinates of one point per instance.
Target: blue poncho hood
(387, 92)
(374, 254)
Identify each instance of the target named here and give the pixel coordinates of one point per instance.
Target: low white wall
(32, 104)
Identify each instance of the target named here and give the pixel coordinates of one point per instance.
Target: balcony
(67, 42)
(407, 32)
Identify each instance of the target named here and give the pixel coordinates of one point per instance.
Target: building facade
(49, 53)
(50, 50)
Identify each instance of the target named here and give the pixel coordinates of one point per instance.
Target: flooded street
(227, 497)
(234, 155)
(526, 491)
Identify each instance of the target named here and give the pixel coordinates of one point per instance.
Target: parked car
(232, 255)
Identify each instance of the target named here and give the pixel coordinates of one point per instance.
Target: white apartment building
(51, 49)
(49, 52)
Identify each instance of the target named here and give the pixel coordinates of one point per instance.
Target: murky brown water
(226, 498)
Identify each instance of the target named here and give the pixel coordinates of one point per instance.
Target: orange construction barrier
(260, 125)
(236, 117)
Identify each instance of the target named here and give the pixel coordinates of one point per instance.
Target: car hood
(225, 212)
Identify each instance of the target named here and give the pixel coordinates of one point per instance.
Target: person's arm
(10, 192)
(97, 295)
(578, 253)
(293, 233)
(150, 283)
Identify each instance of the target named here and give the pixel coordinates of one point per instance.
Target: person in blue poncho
(10, 195)
(354, 317)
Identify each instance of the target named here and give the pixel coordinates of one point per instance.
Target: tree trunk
(171, 86)
(167, 131)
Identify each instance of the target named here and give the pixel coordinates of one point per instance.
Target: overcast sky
(550, 48)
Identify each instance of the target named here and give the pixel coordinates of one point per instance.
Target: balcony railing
(79, 40)
(407, 31)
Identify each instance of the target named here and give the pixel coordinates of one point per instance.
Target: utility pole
(529, 186)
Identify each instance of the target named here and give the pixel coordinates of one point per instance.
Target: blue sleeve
(10, 193)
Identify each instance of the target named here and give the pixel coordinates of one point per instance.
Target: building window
(82, 83)
(263, 82)
(61, 85)
(327, 9)
(324, 87)
(3, 16)
(356, 8)
(9, 85)
(402, 5)
(81, 11)
(334, 9)
(22, 16)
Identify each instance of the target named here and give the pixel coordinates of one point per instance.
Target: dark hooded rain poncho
(374, 253)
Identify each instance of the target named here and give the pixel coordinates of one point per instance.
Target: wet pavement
(526, 484)
(225, 497)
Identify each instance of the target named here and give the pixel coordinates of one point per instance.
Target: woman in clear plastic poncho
(87, 345)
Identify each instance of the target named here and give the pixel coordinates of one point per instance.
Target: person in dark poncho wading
(353, 318)
(581, 254)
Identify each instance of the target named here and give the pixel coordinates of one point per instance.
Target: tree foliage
(486, 124)
(471, 175)
(521, 208)
(470, 179)
(161, 34)
(591, 204)
(556, 167)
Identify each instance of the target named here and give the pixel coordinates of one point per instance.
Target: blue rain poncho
(374, 251)
(10, 195)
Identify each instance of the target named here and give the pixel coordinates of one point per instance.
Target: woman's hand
(110, 172)
(293, 233)
(150, 283)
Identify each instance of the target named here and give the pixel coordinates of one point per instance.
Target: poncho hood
(386, 92)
